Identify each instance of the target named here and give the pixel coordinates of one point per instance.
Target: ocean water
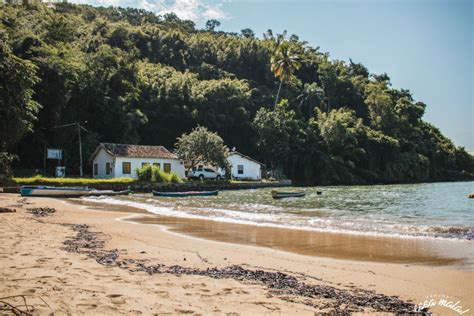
(429, 210)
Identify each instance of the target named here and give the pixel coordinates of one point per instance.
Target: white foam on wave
(287, 221)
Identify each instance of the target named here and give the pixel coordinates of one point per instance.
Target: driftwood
(282, 285)
(9, 307)
(7, 210)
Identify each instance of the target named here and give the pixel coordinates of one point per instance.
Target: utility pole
(79, 127)
(80, 148)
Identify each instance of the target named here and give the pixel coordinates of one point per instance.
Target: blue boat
(186, 193)
(277, 194)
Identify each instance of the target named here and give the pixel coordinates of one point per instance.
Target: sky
(425, 46)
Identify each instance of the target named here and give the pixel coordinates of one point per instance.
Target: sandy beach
(36, 263)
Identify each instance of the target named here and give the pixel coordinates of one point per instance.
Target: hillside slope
(139, 78)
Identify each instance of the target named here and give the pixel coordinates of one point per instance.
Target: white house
(244, 167)
(121, 160)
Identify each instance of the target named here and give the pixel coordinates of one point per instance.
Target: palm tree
(310, 96)
(283, 64)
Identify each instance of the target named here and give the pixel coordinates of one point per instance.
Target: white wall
(252, 170)
(101, 159)
(176, 166)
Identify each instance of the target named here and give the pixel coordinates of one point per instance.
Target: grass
(157, 177)
(39, 180)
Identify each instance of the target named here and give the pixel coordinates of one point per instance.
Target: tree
(381, 107)
(17, 109)
(338, 130)
(248, 33)
(309, 99)
(274, 133)
(212, 24)
(283, 64)
(203, 146)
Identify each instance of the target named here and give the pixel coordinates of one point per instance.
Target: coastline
(27, 241)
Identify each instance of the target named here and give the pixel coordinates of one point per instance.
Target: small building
(243, 167)
(120, 160)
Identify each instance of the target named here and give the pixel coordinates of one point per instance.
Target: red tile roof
(135, 151)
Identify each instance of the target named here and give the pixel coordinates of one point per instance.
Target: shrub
(175, 178)
(144, 173)
(154, 174)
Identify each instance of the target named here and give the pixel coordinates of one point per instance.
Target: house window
(144, 164)
(96, 169)
(156, 164)
(108, 170)
(126, 168)
(167, 167)
(240, 169)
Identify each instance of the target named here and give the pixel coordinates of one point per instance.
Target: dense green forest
(131, 76)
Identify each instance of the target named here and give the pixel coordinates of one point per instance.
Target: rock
(7, 210)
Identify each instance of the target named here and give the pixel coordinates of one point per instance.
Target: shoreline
(318, 244)
(42, 242)
(423, 250)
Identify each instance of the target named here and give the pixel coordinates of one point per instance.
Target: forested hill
(136, 77)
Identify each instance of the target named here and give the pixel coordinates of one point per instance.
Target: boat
(276, 194)
(108, 192)
(471, 196)
(47, 191)
(186, 193)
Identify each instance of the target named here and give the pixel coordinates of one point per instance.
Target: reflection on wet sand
(341, 246)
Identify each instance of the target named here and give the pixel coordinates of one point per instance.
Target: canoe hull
(186, 194)
(108, 193)
(64, 192)
(44, 191)
(288, 194)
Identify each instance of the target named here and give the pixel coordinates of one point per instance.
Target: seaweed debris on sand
(282, 285)
(41, 211)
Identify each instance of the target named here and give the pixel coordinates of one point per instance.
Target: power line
(79, 127)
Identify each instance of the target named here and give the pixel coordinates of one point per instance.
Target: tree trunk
(278, 93)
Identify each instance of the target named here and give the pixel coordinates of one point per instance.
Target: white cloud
(195, 10)
(214, 12)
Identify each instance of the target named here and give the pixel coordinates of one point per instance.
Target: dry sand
(34, 263)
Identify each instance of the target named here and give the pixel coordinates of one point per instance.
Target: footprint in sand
(88, 306)
(184, 311)
(29, 292)
(114, 295)
(162, 294)
(116, 299)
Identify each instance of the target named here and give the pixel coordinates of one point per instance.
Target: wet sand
(424, 251)
(453, 254)
(33, 262)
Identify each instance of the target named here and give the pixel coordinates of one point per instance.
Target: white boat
(66, 191)
(54, 191)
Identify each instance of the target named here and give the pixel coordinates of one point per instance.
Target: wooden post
(80, 149)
